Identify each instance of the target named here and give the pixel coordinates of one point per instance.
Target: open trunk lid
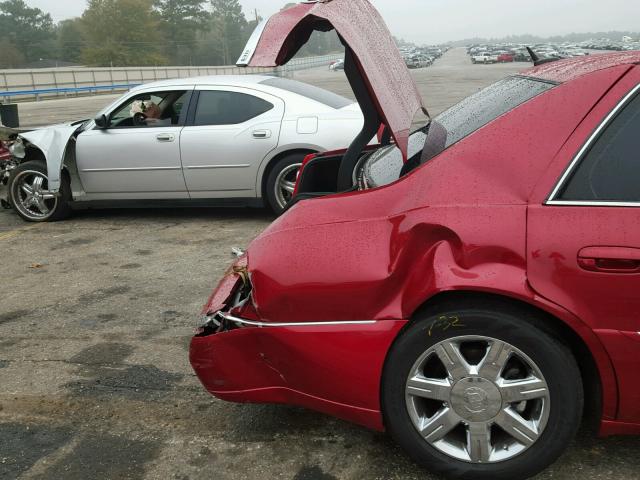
(361, 28)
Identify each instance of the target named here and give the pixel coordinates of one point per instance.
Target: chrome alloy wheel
(31, 196)
(286, 184)
(477, 399)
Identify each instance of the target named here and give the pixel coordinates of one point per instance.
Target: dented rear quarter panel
(383, 268)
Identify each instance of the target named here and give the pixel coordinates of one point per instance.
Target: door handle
(261, 133)
(165, 137)
(610, 259)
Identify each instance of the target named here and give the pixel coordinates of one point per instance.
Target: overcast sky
(435, 21)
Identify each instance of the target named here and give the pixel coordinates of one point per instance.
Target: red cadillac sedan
(471, 286)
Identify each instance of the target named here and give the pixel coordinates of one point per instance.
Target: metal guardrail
(56, 82)
(64, 91)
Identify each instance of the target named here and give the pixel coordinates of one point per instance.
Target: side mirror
(101, 121)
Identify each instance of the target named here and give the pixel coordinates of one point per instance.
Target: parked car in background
(336, 66)
(412, 61)
(474, 286)
(505, 58)
(522, 56)
(418, 61)
(228, 140)
(484, 58)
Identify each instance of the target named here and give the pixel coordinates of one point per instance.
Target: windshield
(385, 165)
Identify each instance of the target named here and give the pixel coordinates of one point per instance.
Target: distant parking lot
(96, 314)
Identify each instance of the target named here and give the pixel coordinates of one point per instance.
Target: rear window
(319, 95)
(476, 111)
(219, 107)
(451, 126)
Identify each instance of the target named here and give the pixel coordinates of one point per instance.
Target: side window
(159, 109)
(610, 170)
(228, 108)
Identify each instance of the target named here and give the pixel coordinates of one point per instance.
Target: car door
(584, 242)
(229, 132)
(126, 160)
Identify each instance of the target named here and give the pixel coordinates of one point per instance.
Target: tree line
(134, 33)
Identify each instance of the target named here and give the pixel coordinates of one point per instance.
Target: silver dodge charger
(230, 140)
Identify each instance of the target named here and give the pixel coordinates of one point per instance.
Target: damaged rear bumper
(332, 367)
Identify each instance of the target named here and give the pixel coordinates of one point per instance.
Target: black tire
(522, 329)
(285, 165)
(58, 209)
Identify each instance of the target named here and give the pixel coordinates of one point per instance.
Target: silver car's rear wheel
(477, 399)
(286, 184)
(29, 191)
(281, 181)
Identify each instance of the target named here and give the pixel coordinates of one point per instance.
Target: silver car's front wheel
(477, 399)
(482, 389)
(29, 194)
(32, 200)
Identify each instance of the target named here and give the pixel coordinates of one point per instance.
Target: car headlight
(17, 149)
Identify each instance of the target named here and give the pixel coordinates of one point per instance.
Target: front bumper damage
(53, 143)
(331, 367)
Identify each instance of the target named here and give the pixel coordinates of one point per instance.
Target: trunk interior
(319, 177)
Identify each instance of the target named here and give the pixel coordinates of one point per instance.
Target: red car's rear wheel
(478, 392)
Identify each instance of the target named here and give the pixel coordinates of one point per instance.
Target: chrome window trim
(551, 200)
(252, 323)
(129, 169)
(203, 167)
(591, 203)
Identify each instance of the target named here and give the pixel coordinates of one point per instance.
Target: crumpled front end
(331, 367)
(53, 142)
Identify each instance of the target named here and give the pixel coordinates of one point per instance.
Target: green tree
(70, 40)
(10, 56)
(29, 30)
(229, 30)
(182, 20)
(122, 33)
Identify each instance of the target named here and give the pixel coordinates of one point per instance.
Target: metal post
(75, 81)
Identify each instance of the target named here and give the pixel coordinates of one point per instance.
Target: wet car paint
(426, 236)
(573, 68)
(606, 302)
(323, 368)
(458, 223)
